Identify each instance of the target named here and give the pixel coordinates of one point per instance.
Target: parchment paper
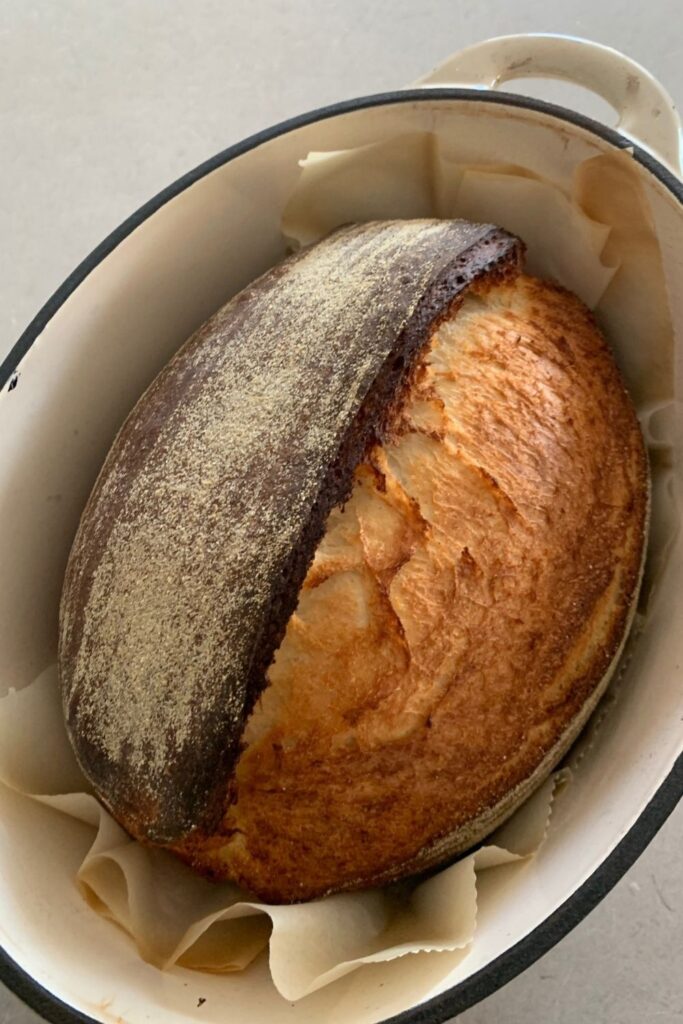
(172, 915)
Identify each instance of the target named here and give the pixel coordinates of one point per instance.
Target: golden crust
(461, 614)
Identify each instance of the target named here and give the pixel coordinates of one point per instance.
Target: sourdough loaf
(358, 564)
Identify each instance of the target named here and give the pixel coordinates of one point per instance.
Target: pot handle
(646, 111)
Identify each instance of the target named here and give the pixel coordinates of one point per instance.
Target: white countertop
(102, 103)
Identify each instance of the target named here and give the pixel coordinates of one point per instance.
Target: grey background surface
(103, 102)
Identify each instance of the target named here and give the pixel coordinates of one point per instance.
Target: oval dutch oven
(78, 369)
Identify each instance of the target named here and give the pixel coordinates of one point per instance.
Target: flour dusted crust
(423, 639)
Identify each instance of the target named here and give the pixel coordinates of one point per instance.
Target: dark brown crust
(192, 788)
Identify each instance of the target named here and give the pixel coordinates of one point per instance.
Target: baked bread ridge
(463, 613)
(190, 553)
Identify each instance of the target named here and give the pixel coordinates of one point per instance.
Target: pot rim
(553, 928)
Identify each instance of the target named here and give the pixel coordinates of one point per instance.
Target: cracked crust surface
(461, 614)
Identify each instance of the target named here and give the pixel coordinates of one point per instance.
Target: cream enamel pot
(81, 364)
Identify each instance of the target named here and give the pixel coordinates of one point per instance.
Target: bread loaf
(358, 564)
